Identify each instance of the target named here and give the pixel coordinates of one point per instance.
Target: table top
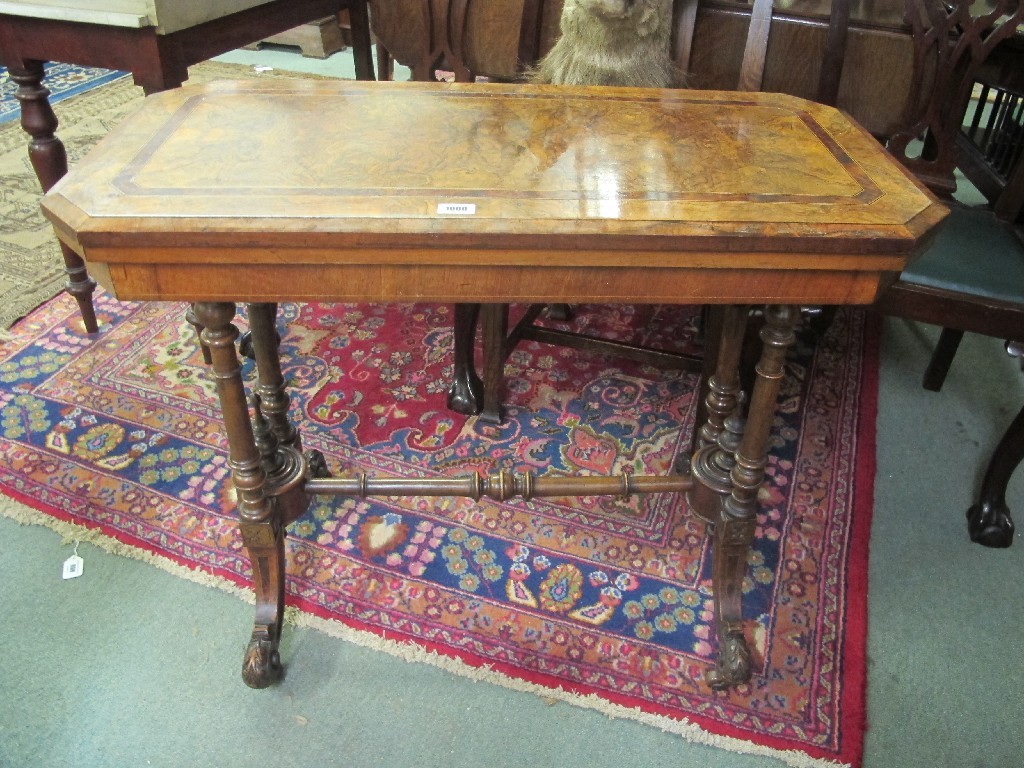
(341, 190)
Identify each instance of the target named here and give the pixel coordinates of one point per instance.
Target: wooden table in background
(158, 59)
(461, 193)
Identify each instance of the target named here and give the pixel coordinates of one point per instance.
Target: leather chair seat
(973, 253)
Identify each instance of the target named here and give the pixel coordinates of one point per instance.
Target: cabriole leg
(466, 395)
(259, 520)
(989, 522)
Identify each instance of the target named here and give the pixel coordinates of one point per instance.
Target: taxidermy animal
(612, 42)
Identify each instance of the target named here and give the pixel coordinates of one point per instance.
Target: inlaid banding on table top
(520, 146)
(338, 164)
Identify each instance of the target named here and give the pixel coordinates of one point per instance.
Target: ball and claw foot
(990, 525)
(317, 464)
(733, 666)
(262, 666)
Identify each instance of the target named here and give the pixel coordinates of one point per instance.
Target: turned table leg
(50, 162)
(718, 432)
(738, 448)
(277, 437)
(259, 515)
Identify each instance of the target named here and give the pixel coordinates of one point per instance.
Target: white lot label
(457, 209)
(73, 567)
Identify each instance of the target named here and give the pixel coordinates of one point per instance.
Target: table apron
(496, 284)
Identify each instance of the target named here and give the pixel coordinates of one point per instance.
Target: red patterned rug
(605, 602)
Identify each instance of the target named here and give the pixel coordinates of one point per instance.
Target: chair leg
(190, 318)
(942, 359)
(362, 45)
(988, 521)
(820, 318)
(385, 64)
(466, 395)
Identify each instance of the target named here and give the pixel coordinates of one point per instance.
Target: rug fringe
(72, 532)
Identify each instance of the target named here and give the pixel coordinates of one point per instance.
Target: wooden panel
(481, 284)
(876, 73)
(492, 40)
(117, 13)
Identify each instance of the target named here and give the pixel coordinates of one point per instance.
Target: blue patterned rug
(62, 80)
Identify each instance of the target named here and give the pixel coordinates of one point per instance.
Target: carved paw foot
(317, 464)
(990, 525)
(733, 666)
(262, 665)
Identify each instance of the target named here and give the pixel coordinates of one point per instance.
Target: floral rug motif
(599, 597)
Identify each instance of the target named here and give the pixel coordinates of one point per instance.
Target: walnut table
(261, 192)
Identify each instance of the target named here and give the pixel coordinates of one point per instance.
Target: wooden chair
(991, 140)
(469, 394)
(971, 278)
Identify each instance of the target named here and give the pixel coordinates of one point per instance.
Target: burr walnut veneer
(261, 192)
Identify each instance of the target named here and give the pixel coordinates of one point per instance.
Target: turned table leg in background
(280, 443)
(260, 521)
(737, 448)
(50, 162)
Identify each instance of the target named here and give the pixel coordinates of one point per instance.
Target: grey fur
(612, 42)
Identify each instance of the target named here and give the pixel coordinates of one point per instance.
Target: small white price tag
(73, 567)
(457, 209)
